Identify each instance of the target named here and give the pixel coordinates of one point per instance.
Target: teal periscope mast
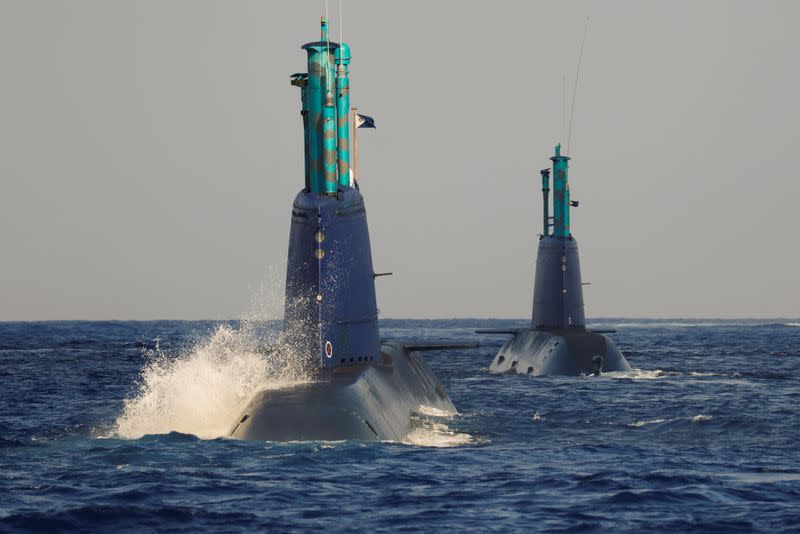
(557, 341)
(360, 387)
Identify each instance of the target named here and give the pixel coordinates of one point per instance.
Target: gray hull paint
(361, 402)
(557, 352)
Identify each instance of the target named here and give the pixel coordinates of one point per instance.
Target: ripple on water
(701, 435)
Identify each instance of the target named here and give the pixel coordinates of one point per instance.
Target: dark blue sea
(115, 426)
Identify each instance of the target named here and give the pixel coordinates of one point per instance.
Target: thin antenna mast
(563, 106)
(328, 48)
(575, 88)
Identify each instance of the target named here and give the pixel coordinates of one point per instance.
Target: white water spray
(204, 388)
(203, 391)
(430, 429)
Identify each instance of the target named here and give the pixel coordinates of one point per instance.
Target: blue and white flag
(363, 121)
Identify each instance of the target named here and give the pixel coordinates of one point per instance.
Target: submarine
(557, 341)
(362, 387)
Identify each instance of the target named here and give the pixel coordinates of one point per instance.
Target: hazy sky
(150, 151)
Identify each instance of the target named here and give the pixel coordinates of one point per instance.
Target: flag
(362, 121)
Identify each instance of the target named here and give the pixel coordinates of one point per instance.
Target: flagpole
(355, 146)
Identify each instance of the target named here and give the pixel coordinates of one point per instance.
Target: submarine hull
(558, 352)
(359, 402)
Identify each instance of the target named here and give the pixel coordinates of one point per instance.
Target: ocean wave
(686, 324)
(640, 424)
(675, 324)
(638, 374)
(652, 374)
(8, 443)
(700, 418)
(428, 430)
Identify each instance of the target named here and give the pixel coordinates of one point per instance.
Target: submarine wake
(695, 419)
(438, 435)
(201, 390)
(638, 374)
(430, 429)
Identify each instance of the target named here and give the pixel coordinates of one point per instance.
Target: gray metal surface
(367, 402)
(558, 352)
(558, 293)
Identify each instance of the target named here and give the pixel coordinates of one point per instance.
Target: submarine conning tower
(558, 291)
(331, 315)
(364, 387)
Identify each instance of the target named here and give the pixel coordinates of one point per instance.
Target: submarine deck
(362, 402)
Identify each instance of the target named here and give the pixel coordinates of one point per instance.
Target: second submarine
(557, 341)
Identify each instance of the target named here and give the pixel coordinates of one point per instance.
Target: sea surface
(118, 426)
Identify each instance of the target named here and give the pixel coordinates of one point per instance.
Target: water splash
(431, 434)
(432, 411)
(429, 429)
(203, 390)
(637, 374)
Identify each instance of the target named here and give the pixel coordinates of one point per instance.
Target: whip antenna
(328, 48)
(575, 88)
(563, 106)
